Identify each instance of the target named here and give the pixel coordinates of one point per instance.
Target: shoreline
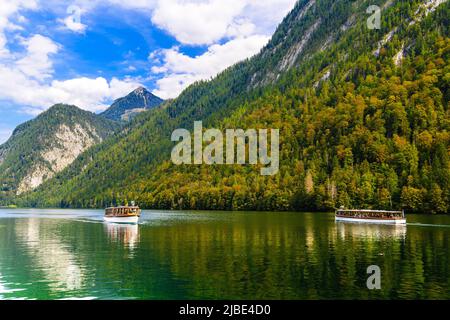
(205, 210)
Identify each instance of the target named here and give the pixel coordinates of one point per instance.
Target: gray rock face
(123, 109)
(43, 147)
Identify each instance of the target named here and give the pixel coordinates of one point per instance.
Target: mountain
(40, 148)
(363, 117)
(127, 107)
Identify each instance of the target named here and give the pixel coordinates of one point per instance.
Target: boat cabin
(124, 211)
(370, 214)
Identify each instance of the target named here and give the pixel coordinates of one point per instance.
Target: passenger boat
(123, 214)
(371, 216)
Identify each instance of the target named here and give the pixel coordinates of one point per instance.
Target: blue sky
(91, 52)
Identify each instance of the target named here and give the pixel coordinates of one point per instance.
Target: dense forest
(381, 143)
(364, 122)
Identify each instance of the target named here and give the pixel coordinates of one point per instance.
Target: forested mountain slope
(363, 114)
(46, 145)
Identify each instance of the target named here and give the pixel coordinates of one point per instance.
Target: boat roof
(370, 210)
(124, 207)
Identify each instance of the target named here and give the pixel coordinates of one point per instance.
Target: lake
(72, 254)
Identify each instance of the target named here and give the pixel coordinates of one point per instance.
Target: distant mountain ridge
(44, 146)
(125, 108)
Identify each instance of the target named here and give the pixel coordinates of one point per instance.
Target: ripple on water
(68, 254)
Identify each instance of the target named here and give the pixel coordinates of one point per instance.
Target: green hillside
(32, 143)
(363, 122)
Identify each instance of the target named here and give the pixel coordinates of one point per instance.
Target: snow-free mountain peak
(137, 101)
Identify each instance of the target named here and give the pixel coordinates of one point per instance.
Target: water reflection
(370, 231)
(4, 288)
(58, 265)
(211, 255)
(127, 234)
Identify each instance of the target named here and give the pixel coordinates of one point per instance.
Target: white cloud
(197, 22)
(8, 9)
(86, 93)
(245, 24)
(3, 51)
(267, 14)
(73, 25)
(135, 4)
(73, 20)
(27, 77)
(83, 92)
(28, 81)
(119, 88)
(5, 133)
(205, 22)
(36, 63)
(181, 70)
(171, 86)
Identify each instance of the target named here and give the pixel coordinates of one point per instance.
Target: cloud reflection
(61, 269)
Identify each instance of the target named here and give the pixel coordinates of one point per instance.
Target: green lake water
(72, 254)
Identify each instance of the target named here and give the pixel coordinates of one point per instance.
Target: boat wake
(89, 220)
(429, 225)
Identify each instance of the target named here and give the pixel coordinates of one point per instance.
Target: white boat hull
(133, 219)
(384, 221)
